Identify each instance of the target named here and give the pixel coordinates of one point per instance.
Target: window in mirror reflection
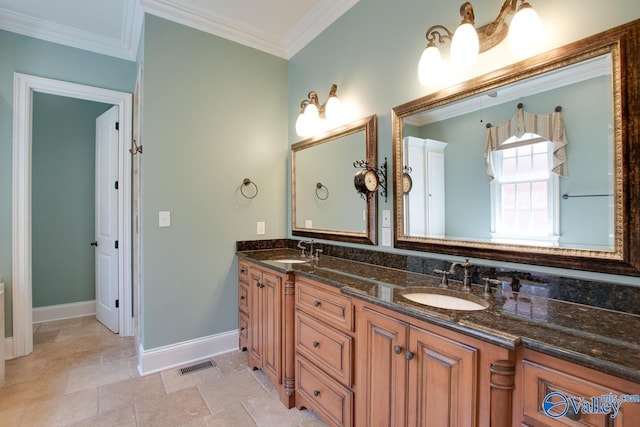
(525, 193)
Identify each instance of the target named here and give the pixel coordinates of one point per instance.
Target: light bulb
(525, 32)
(312, 119)
(465, 46)
(430, 66)
(333, 110)
(301, 125)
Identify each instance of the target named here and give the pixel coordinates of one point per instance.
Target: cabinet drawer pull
(316, 303)
(243, 271)
(316, 393)
(408, 355)
(397, 349)
(316, 343)
(242, 329)
(242, 297)
(259, 285)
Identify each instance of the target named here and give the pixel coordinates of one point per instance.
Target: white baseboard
(170, 356)
(64, 311)
(8, 348)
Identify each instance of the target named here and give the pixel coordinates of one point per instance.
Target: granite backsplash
(592, 293)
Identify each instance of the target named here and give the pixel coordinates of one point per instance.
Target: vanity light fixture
(315, 117)
(467, 42)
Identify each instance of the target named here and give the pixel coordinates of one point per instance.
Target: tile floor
(81, 374)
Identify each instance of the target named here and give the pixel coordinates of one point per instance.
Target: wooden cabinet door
(271, 292)
(255, 317)
(442, 381)
(381, 370)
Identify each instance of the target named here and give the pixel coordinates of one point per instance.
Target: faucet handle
(318, 252)
(445, 277)
(302, 246)
(487, 285)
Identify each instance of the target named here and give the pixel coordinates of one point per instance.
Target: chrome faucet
(466, 281)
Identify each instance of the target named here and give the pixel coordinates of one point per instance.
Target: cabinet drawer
(540, 380)
(324, 346)
(243, 330)
(243, 271)
(243, 297)
(332, 401)
(327, 306)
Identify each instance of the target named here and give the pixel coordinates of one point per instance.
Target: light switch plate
(260, 229)
(386, 218)
(164, 219)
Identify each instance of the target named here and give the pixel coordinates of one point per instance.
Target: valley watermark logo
(557, 404)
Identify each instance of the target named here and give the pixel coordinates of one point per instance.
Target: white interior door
(107, 298)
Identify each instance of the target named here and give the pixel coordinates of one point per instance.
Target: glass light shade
(301, 125)
(525, 32)
(430, 66)
(333, 110)
(465, 46)
(312, 119)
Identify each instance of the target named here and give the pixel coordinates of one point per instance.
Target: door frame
(24, 86)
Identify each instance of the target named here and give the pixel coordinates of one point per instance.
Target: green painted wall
(214, 112)
(31, 56)
(372, 54)
(63, 206)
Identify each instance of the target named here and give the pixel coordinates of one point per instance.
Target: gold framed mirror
(470, 186)
(324, 202)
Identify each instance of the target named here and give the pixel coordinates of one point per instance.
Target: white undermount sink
(291, 260)
(446, 301)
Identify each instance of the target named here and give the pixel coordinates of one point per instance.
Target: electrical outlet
(260, 228)
(308, 224)
(386, 236)
(164, 219)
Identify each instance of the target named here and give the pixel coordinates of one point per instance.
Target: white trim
(125, 47)
(8, 348)
(23, 88)
(170, 356)
(325, 13)
(191, 15)
(50, 313)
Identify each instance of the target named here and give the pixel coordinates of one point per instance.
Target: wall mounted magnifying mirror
(455, 208)
(328, 159)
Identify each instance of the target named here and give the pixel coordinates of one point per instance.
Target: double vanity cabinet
(334, 342)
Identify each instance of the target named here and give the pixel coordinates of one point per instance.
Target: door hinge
(116, 185)
(116, 244)
(117, 125)
(117, 303)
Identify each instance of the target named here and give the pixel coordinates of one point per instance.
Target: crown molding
(315, 22)
(126, 47)
(225, 28)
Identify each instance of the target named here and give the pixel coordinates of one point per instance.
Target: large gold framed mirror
(324, 202)
(536, 163)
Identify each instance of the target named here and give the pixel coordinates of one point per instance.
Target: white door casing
(23, 88)
(106, 226)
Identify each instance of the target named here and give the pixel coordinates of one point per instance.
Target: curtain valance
(549, 126)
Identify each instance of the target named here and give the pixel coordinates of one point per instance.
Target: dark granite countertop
(606, 340)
